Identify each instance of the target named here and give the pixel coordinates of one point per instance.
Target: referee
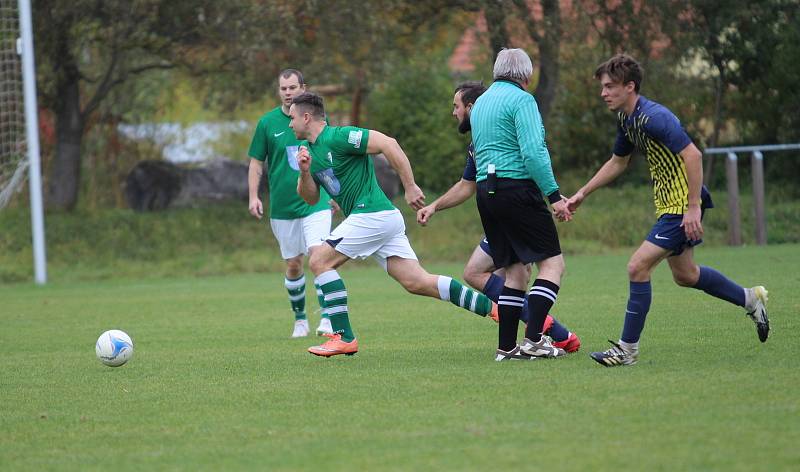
(515, 176)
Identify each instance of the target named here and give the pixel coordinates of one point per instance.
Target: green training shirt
(275, 142)
(341, 166)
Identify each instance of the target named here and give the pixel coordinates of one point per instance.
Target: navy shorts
(668, 233)
(485, 246)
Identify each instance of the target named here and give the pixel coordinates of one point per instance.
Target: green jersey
(340, 165)
(275, 142)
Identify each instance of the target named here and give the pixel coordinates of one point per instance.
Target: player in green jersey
(298, 227)
(337, 159)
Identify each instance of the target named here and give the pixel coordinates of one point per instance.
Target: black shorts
(517, 222)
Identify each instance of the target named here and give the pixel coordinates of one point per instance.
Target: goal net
(13, 149)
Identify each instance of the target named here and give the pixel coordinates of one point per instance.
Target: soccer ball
(114, 348)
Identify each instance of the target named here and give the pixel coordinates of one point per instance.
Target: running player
(680, 200)
(337, 158)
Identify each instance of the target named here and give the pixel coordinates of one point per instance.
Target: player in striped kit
(680, 199)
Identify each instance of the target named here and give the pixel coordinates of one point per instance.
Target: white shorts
(381, 234)
(296, 236)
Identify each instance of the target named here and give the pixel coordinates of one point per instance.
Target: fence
(732, 175)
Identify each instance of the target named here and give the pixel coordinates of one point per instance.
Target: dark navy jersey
(470, 171)
(658, 133)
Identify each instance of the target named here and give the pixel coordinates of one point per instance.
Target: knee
(636, 270)
(316, 263)
(294, 266)
(473, 278)
(687, 278)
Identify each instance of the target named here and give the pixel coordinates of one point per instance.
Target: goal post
(19, 150)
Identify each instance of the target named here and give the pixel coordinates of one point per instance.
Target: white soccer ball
(114, 348)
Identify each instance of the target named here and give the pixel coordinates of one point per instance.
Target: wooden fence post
(734, 218)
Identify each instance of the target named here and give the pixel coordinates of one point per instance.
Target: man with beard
(337, 158)
(480, 271)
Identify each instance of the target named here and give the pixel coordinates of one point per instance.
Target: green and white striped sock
(320, 299)
(297, 295)
(335, 294)
(453, 291)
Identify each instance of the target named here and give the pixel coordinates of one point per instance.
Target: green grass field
(216, 383)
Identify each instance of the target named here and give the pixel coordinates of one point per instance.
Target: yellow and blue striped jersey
(658, 133)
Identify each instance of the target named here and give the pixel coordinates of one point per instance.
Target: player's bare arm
(693, 160)
(306, 187)
(389, 147)
(455, 195)
(254, 172)
(612, 169)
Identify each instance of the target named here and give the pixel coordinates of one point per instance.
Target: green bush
(415, 107)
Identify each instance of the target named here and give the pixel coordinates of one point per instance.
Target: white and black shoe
(513, 355)
(757, 310)
(615, 356)
(542, 348)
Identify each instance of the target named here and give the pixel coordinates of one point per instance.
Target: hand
(561, 210)
(414, 197)
(303, 159)
(334, 206)
(691, 223)
(256, 208)
(424, 214)
(575, 201)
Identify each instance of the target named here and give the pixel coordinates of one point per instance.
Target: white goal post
(20, 151)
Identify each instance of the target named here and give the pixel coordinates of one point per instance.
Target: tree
(86, 48)
(542, 25)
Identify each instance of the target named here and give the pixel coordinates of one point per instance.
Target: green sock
(297, 295)
(453, 291)
(321, 300)
(335, 294)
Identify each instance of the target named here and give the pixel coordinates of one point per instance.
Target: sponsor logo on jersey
(330, 157)
(329, 181)
(354, 138)
(291, 157)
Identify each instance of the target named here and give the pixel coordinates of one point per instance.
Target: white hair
(513, 64)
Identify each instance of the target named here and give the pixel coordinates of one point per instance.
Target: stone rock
(156, 185)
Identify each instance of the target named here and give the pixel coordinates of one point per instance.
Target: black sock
(540, 299)
(509, 307)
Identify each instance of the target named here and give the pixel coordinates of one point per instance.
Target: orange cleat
(335, 346)
(548, 323)
(571, 344)
(495, 314)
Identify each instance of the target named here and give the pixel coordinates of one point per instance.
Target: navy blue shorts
(668, 233)
(485, 246)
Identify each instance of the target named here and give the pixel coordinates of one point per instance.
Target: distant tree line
(728, 69)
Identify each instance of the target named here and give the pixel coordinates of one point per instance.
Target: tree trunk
(549, 48)
(496, 24)
(65, 171)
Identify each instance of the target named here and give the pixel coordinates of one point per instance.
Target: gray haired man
(515, 181)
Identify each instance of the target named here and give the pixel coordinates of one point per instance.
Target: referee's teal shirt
(507, 131)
